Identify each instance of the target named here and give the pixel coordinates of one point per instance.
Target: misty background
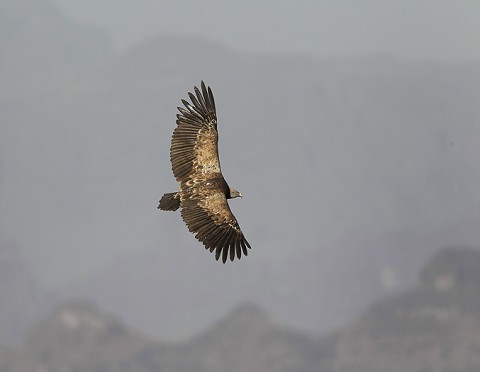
(351, 128)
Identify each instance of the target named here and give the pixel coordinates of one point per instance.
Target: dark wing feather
(194, 148)
(210, 218)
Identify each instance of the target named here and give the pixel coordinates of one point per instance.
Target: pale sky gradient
(444, 30)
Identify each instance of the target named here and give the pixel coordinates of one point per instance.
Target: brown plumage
(203, 192)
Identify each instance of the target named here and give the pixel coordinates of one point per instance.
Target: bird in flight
(203, 192)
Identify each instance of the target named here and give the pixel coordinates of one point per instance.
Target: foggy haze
(354, 143)
(442, 30)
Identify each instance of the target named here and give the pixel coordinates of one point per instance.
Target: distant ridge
(433, 327)
(422, 329)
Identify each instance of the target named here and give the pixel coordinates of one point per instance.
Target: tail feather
(170, 202)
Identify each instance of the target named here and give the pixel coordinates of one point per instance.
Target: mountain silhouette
(426, 328)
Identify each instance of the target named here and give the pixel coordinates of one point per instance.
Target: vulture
(203, 192)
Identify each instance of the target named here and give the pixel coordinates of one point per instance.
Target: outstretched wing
(194, 149)
(210, 218)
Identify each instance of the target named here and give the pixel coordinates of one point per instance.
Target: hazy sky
(434, 29)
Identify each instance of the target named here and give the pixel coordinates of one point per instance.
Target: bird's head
(234, 193)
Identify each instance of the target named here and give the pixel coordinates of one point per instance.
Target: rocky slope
(433, 327)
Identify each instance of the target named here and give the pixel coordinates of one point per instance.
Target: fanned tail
(169, 202)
